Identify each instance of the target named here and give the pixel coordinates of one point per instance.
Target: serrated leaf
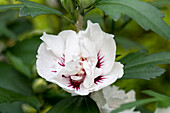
(34, 9)
(10, 96)
(77, 104)
(4, 7)
(138, 65)
(19, 65)
(153, 59)
(147, 16)
(134, 104)
(143, 72)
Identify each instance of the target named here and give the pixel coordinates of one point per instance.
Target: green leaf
(26, 49)
(164, 100)
(134, 104)
(138, 65)
(147, 16)
(4, 7)
(19, 65)
(10, 96)
(143, 72)
(11, 107)
(77, 104)
(153, 59)
(10, 79)
(34, 9)
(127, 43)
(159, 3)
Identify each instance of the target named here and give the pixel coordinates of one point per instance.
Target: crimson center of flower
(76, 80)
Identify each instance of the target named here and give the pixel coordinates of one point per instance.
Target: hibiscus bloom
(79, 62)
(110, 98)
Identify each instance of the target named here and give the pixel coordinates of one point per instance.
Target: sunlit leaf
(77, 104)
(147, 16)
(34, 9)
(4, 7)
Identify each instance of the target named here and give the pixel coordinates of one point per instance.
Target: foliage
(127, 19)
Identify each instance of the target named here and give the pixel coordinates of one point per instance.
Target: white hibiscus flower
(110, 98)
(162, 110)
(79, 62)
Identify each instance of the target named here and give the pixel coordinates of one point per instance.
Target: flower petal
(47, 64)
(54, 43)
(162, 110)
(104, 43)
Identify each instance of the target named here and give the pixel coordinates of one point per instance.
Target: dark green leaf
(147, 16)
(26, 50)
(127, 43)
(153, 59)
(12, 80)
(3, 7)
(138, 65)
(10, 96)
(11, 107)
(77, 104)
(134, 104)
(34, 9)
(19, 65)
(143, 72)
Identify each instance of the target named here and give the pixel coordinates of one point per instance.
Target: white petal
(88, 48)
(55, 43)
(116, 72)
(108, 50)
(104, 43)
(98, 97)
(72, 48)
(76, 77)
(89, 79)
(47, 64)
(162, 110)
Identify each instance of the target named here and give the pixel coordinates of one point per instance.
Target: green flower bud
(86, 3)
(69, 5)
(39, 85)
(28, 109)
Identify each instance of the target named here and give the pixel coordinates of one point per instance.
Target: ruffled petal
(47, 63)
(72, 48)
(104, 45)
(162, 110)
(54, 43)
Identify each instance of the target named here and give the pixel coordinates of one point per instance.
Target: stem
(79, 24)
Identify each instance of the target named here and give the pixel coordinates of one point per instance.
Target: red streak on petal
(100, 63)
(99, 79)
(54, 71)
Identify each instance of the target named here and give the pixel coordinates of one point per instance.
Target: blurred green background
(20, 39)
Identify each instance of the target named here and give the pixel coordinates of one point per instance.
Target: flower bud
(69, 5)
(28, 109)
(39, 85)
(86, 3)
